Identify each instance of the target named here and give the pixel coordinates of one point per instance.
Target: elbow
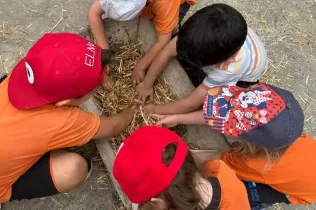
(93, 16)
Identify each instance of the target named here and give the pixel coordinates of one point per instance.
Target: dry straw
(123, 94)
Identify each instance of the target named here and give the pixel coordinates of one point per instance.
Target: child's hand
(168, 121)
(128, 113)
(143, 92)
(159, 203)
(138, 75)
(107, 83)
(150, 108)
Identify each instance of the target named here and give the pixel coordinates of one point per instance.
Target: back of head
(263, 115)
(181, 193)
(246, 150)
(212, 35)
(154, 162)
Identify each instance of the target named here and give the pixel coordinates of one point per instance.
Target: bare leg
(68, 169)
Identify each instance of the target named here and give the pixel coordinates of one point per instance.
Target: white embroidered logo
(90, 54)
(119, 149)
(30, 73)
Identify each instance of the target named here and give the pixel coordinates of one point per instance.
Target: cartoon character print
(256, 97)
(222, 106)
(233, 110)
(217, 107)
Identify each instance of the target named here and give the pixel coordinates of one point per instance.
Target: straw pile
(123, 94)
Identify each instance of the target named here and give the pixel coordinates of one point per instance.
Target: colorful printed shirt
(248, 64)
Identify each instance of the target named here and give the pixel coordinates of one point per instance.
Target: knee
(69, 170)
(77, 167)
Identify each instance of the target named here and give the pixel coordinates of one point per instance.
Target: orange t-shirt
(294, 174)
(25, 135)
(233, 191)
(165, 14)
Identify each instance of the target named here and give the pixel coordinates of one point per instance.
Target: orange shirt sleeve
(248, 170)
(78, 129)
(166, 15)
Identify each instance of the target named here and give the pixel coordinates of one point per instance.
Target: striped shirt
(248, 64)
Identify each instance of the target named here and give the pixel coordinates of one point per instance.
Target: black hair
(210, 36)
(105, 58)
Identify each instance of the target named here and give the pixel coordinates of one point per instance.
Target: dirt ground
(287, 27)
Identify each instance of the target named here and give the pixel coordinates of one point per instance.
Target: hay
(124, 95)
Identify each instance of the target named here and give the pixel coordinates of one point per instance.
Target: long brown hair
(248, 151)
(181, 193)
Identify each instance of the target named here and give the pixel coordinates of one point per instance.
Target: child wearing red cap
(39, 117)
(167, 175)
(270, 146)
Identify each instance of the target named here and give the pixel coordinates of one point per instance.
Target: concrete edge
(107, 154)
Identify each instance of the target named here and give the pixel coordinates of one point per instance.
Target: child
(270, 148)
(215, 42)
(166, 15)
(39, 116)
(156, 170)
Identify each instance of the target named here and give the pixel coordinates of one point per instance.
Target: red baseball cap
(59, 66)
(139, 168)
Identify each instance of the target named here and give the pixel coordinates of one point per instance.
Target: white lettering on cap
(30, 73)
(90, 55)
(119, 149)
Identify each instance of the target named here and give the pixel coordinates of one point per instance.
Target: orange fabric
(234, 195)
(28, 134)
(165, 14)
(294, 174)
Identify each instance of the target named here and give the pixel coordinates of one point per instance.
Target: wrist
(179, 119)
(147, 83)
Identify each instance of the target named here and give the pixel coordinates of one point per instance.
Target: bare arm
(189, 104)
(96, 24)
(113, 125)
(154, 50)
(160, 62)
(193, 118)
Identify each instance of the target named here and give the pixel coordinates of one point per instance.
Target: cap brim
(20, 91)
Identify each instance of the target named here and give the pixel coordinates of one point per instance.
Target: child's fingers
(133, 107)
(106, 87)
(143, 98)
(151, 96)
(134, 82)
(138, 81)
(157, 116)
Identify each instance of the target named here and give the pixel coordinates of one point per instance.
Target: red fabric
(234, 110)
(138, 166)
(58, 67)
